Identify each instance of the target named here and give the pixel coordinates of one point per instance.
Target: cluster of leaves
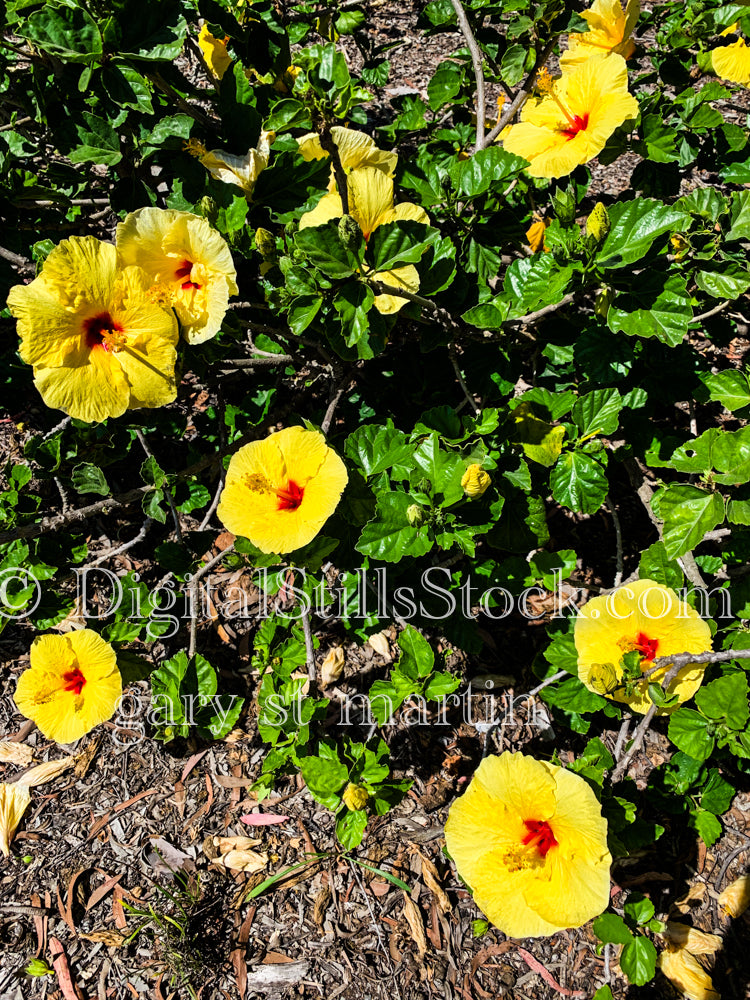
(569, 374)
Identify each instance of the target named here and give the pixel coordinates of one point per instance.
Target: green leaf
(634, 225)
(99, 143)
(323, 247)
(389, 536)
(324, 776)
(688, 731)
(603, 993)
(730, 388)
(484, 169)
(739, 216)
(397, 243)
(638, 960)
(688, 513)
(90, 479)
(350, 828)
(598, 412)
(612, 929)
(707, 825)
(488, 315)
(417, 658)
(657, 305)
(68, 32)
(445, 84)
(729, 281)
(725, 700)
(579, 482)
(534, 282)
(302, 311)
(152, 473)
(655, 565)
(444, 469)
(717, 794)
(639, 908)
(377, 448)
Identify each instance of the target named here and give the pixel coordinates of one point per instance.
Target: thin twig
(476, 62)
(309, 648)
(58, 427)
(376, 925)
(328, 418)
(680, 660)
(532, 317)
(523, 95)
(167, 491)
(618, 536)
(194, 590)
(122, 548)
(725, 867)
(711, 312)
(642, 728)
(257, 362)
(462, 382)
(158, 80)
(622, 735)
(328, 144)
(15, 258)
(549, 680)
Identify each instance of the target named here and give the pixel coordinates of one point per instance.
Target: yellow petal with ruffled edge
(529, 839)
(72, 685)
(609, 626)
(355, 150)
(610, 28)
(279, 492)
(732, 62)
(688, 975)
(214, 51)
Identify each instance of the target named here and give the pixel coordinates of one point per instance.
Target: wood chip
(416, 925)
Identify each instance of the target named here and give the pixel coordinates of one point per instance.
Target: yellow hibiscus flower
(243, 171)
(98, 344)
(371, 205)
(732, 62)
(189, 263)
(214, 52)
(529, 839)
(571, 123)
(355, 150)
(610, 28)
(72, 685)
(279, 492)
(646, 617)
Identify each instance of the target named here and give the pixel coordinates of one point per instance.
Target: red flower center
(577, 124)
(98, 331)
(646, 646)
(291, 497)
(183, 271)
(74, 681)
(539, 835)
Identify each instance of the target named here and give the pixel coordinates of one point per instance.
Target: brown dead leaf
(45, 772)
(224, 540)
(243, 861)
(692, 900)
(322, 902)
(111, 938)
(276, 958)
(84, 759)
(416, 925)
(62, 969)
(431, 879)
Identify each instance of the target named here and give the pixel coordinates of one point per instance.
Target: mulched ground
(110, 859)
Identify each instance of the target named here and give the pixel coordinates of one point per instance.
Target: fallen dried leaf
(111, 938)
(379, 642)
(696, 942)
(416, 925)
(687, 974)
(62, 969)
(84, 759)
(432, 881)
(45, 772)
(243, 861)
(322, 902)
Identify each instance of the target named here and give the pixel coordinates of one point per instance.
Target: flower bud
(349, 232)
(597, 224)
(424, 485)
(415, 515)
(266, 243)
(475, 482)
(38, 967)
(355, 797)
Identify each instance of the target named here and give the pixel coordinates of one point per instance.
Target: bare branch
(711, 312)
(476, 62)
(194, 590)
(618, 535)
(523, 95)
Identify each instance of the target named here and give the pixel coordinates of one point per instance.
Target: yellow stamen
(195, 147)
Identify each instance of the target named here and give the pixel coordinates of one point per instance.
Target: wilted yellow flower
(530, 841)
(732, 62)
(535, 234)
(371, 205)
(355, 150)
(279, 492)
(14, 800)
(680, 245)
(214, 51)
(736, 897)
(98, 344)
(355, 797)
(332, 666)
(572, 122)
(687, 974)
(72, 685)
(475, 481)
(646, 617)
(242, 171)
(189, 264)
(684, 936)
(610, 28)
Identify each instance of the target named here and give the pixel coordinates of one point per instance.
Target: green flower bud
(209, 209)
(266, 243)
(603, 301)
(38, 967)
(349, 232)
(424, 485)
(415, 515)
(597, 224)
